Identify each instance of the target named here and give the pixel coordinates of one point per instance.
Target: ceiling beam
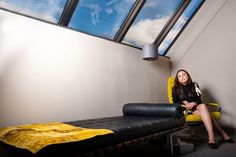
(129, 20)
(68, 12)
(171, 22)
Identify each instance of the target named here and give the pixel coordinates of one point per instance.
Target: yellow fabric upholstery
(190, 117)
(171, 81)
(34, 137)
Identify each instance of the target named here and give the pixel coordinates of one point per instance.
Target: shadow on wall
(227, 115)
(207, 96)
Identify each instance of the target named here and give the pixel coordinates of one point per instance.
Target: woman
(186, 92)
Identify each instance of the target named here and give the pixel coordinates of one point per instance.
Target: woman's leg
(203, 112)
(222, 133)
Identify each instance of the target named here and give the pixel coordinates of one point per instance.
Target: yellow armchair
(190, 118)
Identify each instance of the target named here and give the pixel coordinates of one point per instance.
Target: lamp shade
(150, 52)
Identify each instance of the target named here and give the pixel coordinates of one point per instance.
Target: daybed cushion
(152, 109)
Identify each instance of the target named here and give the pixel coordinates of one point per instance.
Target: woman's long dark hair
(178, 87)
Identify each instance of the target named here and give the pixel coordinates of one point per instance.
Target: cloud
(43, 10)
(152, 4)
(111, 2)
(109, 10)
(121, 8)
(95, 14)
(146, 31)
(114, 7)
(172, 34)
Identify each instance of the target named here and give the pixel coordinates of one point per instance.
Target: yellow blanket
(34, 137)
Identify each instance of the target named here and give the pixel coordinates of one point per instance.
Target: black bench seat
(136, 123)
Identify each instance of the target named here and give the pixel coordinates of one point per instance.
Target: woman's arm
(175, 98)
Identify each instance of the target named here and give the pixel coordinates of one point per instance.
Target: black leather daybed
(140, 121)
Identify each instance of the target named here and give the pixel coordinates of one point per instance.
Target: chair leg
(166, 141)
(192, 131)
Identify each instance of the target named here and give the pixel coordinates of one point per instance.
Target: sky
(150, 21)
(49, 10)
(101, 17)
(104, 17)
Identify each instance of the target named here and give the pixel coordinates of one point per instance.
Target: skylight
(48, 10)
(131, 22)
(150, 21)
(99, 17)
(179, 25)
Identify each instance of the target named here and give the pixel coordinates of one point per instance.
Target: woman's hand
(191, 105)
(185, 104)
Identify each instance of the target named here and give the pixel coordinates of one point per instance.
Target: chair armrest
(213, 104)
(213, 107)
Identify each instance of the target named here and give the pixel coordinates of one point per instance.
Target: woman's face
(182, 77)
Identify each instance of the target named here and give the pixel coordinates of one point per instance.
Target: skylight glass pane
(194, 4)
(150, 21)
(49, 10)
(100, 17)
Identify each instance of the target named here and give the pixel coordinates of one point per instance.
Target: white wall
(49, 73)
(207, 49)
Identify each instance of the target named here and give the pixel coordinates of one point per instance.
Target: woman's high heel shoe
(212, 145)
(229, 140)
